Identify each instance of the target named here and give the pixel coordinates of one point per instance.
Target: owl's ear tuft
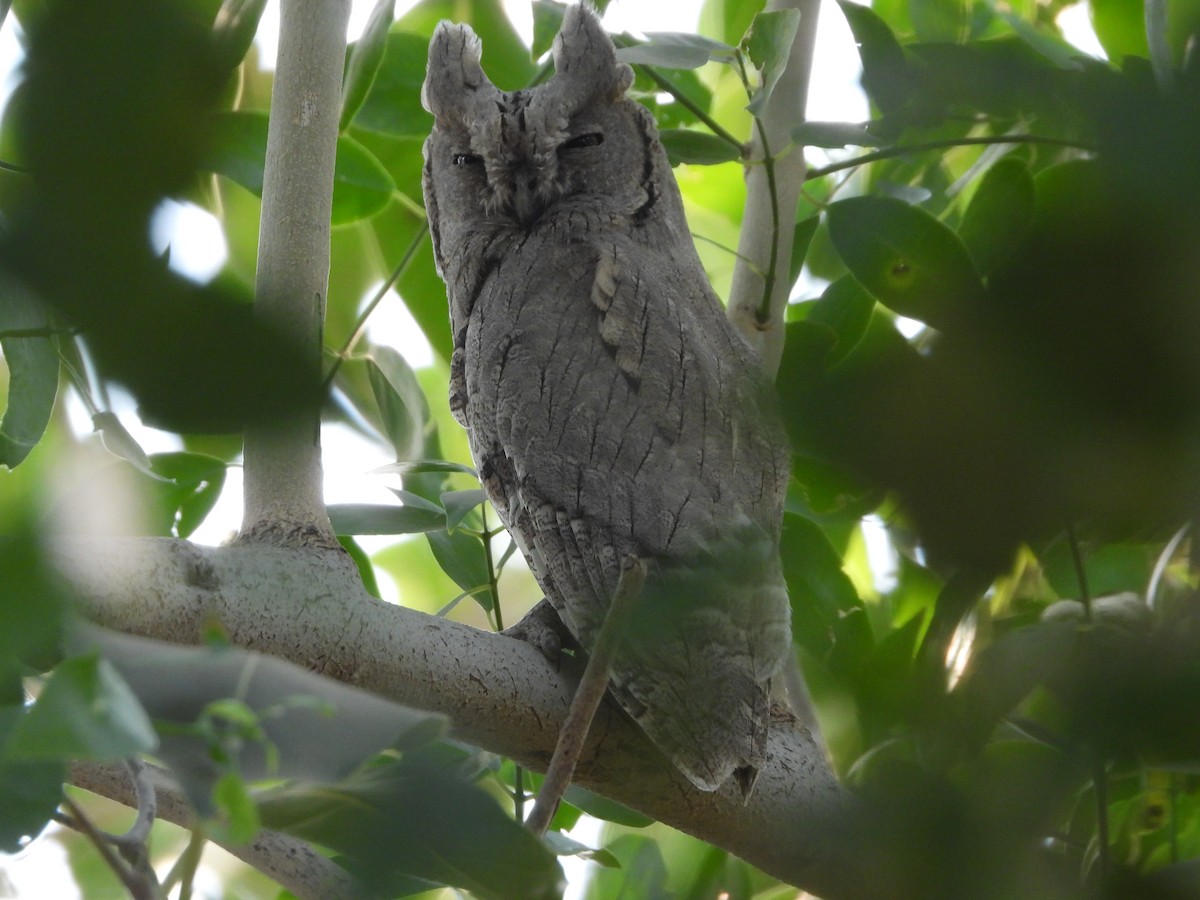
(454, 72)
(585, 60)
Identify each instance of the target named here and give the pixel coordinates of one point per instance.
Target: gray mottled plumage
(611, 407)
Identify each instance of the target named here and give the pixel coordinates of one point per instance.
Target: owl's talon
(543, 629)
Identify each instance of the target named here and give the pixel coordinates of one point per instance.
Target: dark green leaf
(392, 106)
(195, 486)
(907, 259)
(565, 846)
(683, 145)
(237, 149)
(547, 20)
(886, 76)
(846, 309)
(941, 20)
(1000, 215)
(418, 501)
(365, 58)
(603, 808)
(361, 185)
(309, 727)
(462, 557)
(402, 405)
(458, 503)
(769, 44)
(29, 791)
(643, 872)
(820, 592)
(32, 373)
(802, 236)
(365, 518)
(362, 562)
(397, 820)
(234, 29)
(86, 710)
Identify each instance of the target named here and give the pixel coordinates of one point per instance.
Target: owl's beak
(528, 205)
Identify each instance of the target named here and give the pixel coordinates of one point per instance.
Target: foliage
(990, 380)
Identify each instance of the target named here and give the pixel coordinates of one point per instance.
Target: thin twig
(1085, 596)
(138, 884)
(893, 152)
(686, 102)
(591, 690)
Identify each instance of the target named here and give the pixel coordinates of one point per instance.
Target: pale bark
(783, 113)
(501, 694)
(283, 500)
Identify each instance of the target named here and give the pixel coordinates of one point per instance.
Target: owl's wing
(612, 411)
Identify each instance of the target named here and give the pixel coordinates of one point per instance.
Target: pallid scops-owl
(612, 409)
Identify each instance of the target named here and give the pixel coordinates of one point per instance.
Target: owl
(611, 407)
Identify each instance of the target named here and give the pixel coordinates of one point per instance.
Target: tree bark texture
(500, 694)
(283, 498)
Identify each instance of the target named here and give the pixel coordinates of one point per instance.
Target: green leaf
(32, 374)
(887, 78)
(86, 710)
(366, 518)
(462, 557)
(802, 236)
(547, 20)
(392, 106)
(846, 309)
(603, 808)
(675, 50)
(362, 562)
(458, 503)
(195, 484)
(29, 791)
(365, 58)
(224, 710)
(1121, 28)
(820, 592)
(361, 185)
(1000, 215)
(565, 846)
(643, 872)
(909, 261)
(941, 20)
(402, 405)
(769, 44)
(400, 821)
(237, 149)
(234, 29)
(699, 148)
(236, 814)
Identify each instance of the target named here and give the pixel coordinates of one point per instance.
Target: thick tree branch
(500, 693)
(289, 861)
(283, 501)
(759, 236)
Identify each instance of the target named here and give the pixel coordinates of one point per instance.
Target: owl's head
(515, 158)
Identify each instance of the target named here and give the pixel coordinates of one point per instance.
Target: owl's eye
(466, 159)
(581, 141)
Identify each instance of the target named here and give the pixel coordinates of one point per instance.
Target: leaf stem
(686, 102)
(1085, 596)
(360, 326)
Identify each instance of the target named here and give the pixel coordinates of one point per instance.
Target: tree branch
(283, 500)
(500, 693)
(761, 242)
(290, 861)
